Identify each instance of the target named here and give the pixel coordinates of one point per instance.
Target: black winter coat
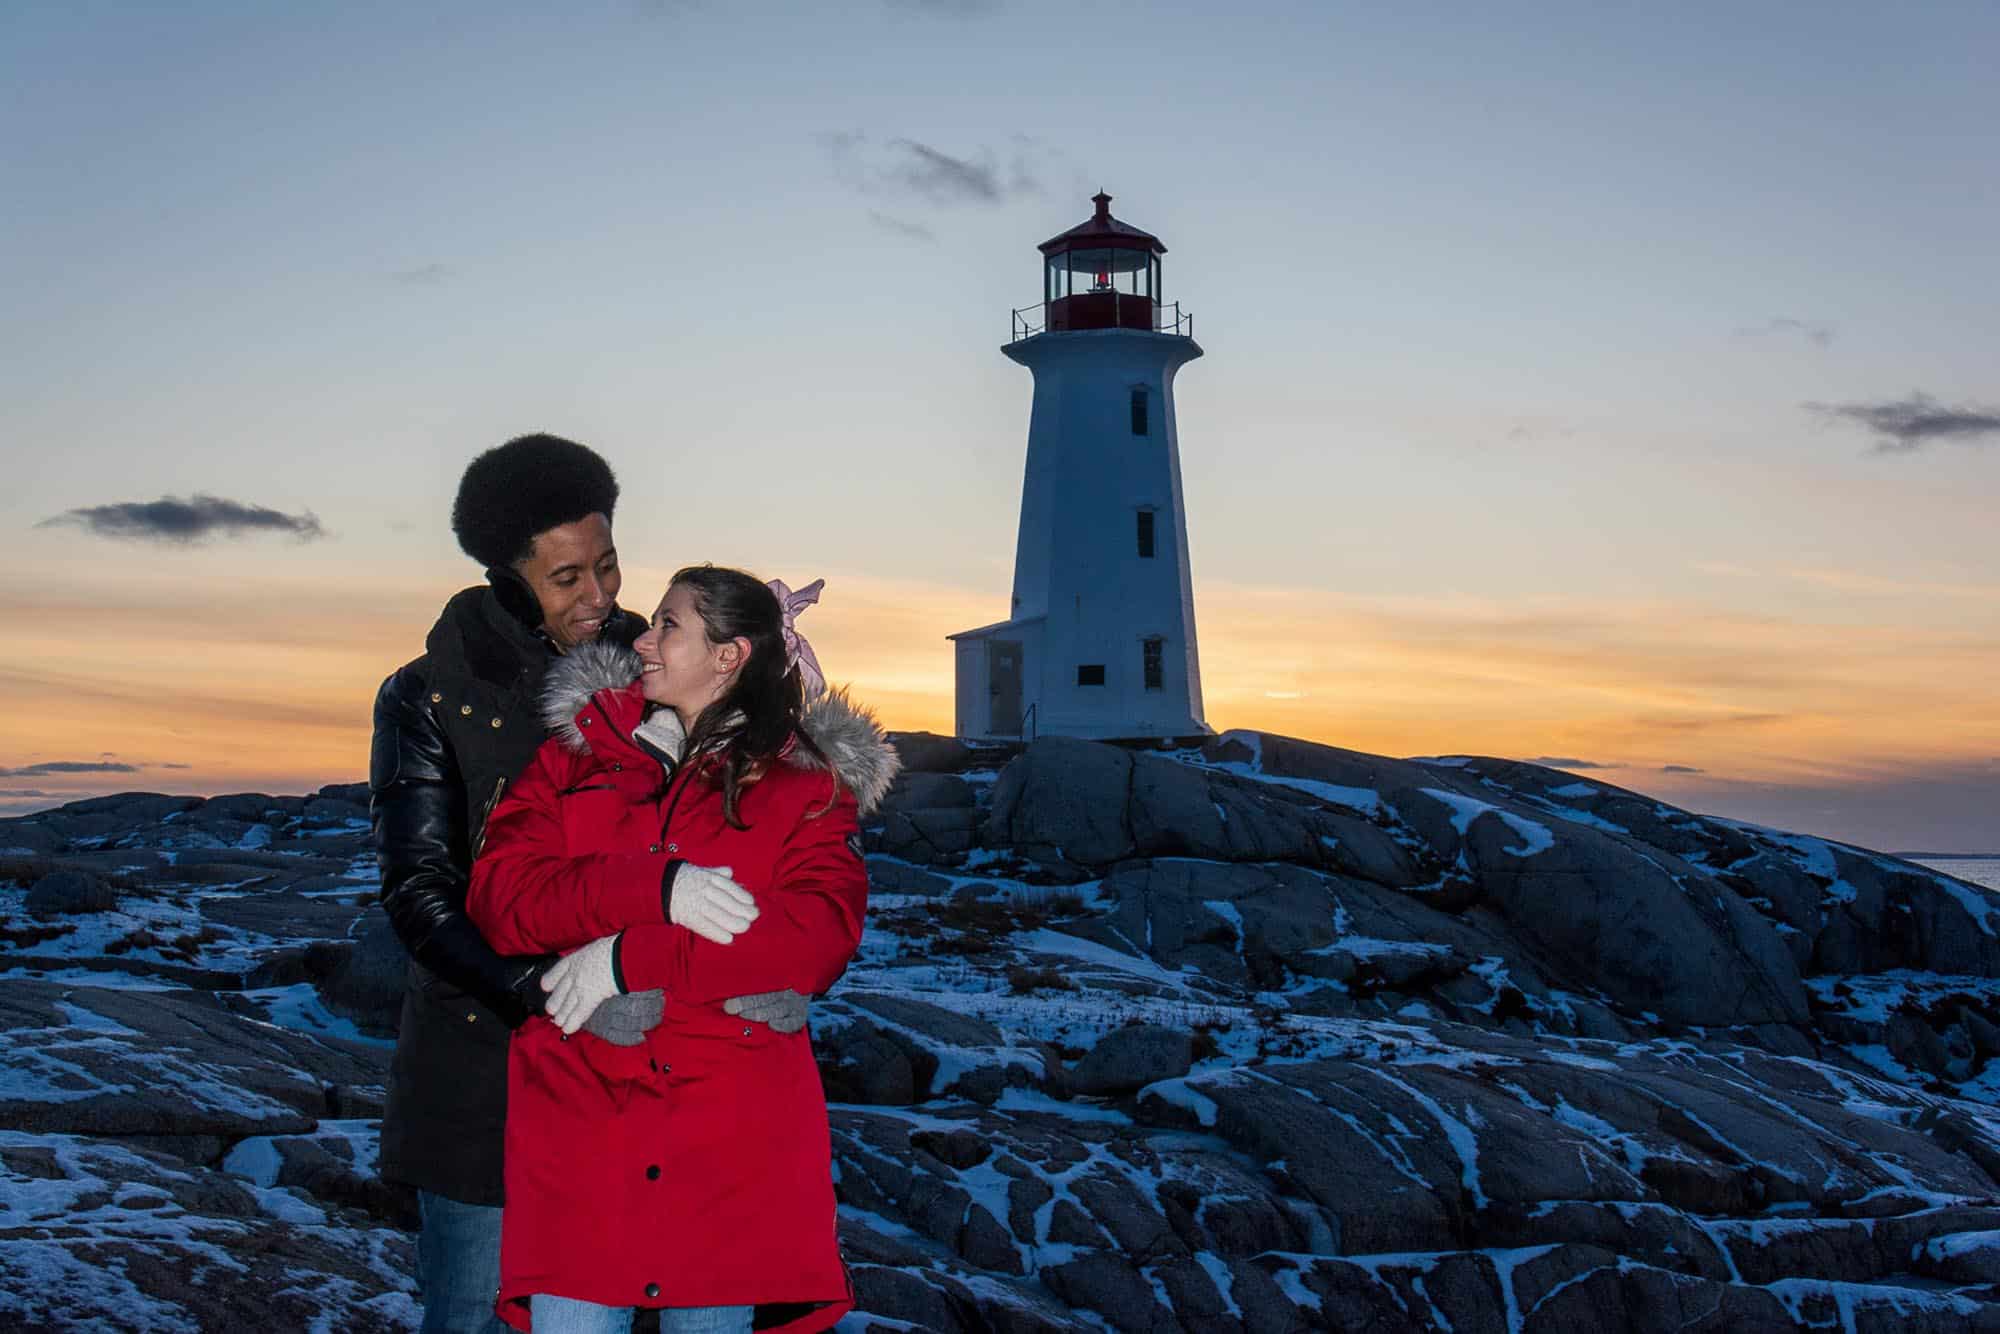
(451, 730)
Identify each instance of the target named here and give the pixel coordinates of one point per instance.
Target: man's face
(574, 572)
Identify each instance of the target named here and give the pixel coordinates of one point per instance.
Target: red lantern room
(1102, 274)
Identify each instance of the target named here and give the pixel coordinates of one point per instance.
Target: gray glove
(784, 1011)
(624, 1020)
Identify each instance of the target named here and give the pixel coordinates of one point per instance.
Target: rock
(926, 752)
(1108, 1283)
(130, 808)
(917, 790)
(354, 794)
(1658, 936)
(929, 836)
(282, 914)
(1128, 1059)
(246, 808)
(1064, 794)
(886, 875)
(120, 1238)
(68, 893)
(29, 837)
(859, 1063)
(1396, 1044)
(367, 985)
(1965, 1257)
(162, 1065)
(323, 812)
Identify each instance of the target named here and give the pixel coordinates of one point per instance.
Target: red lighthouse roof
(1101, 229)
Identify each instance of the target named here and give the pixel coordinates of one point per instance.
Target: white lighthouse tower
(1101, 639)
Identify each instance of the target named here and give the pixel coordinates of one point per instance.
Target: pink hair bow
(798, 653)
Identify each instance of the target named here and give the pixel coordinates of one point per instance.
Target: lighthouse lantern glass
(1079, 272)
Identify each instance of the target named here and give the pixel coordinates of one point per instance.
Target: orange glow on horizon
(157, 672)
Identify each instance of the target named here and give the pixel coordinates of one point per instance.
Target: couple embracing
(622, 854)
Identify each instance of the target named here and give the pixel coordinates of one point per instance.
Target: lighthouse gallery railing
(1028, 321)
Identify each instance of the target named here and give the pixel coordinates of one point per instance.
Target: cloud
(1681, 769)
(913, 231)
(49, 768)
(172, 519)
(1565, 762)
(424, 275)
(913, 169)
(19, 792)
(1904, 425)
(173, 766)
(1818, 332)
(1732, 720)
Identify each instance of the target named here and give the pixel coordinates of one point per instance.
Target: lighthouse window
(1146, 534)
(1139, 415)
(1090, 674)
(1155, 659)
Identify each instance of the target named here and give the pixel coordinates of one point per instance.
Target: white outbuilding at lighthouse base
(1101, 642)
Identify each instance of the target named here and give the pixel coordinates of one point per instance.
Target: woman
(690, 827)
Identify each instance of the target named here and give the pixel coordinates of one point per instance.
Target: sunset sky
(1617, 388)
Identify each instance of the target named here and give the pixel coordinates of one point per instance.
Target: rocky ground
(1266, 1036)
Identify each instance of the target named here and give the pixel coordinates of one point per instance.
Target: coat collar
(493, 632)
(600, 681)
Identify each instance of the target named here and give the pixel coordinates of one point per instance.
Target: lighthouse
(1100, 639)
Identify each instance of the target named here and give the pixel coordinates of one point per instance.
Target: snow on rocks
(1262, 1035)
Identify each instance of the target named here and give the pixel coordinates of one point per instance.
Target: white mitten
(709, 903)
(580, 981)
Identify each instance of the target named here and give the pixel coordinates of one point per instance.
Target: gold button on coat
(465, 710)
(496, 722)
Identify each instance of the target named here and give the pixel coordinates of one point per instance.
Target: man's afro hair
(527, 486)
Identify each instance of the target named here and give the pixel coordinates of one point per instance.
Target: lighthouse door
(1003, 674)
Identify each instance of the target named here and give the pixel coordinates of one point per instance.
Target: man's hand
(624, 1021)
(580, 982)
(784, 1011)
(523, 998)
(709, 903)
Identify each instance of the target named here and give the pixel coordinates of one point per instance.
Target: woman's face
(679, 667)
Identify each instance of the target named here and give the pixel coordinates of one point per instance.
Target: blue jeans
(567, 1315)
(458, 1266)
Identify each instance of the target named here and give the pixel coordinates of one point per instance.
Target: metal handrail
(1027, 321)
(1027, 722)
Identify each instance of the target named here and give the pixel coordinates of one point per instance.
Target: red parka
(693, 1169)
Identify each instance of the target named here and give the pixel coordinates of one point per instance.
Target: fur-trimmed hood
(846, 732)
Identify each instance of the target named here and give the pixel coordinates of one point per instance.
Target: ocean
(1984, 871)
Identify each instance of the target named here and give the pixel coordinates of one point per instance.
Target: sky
(1614, 386)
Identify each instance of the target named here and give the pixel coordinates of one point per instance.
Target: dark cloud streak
(183, 522)
(909, 231)
(1905, 425)
(915, 170)
(1566, 762)
(424, 275)
(1817, 332)
(50, 768)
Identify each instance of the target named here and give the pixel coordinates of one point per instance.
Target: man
(452, 729)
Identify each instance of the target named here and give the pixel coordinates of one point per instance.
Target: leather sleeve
(417, 802)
